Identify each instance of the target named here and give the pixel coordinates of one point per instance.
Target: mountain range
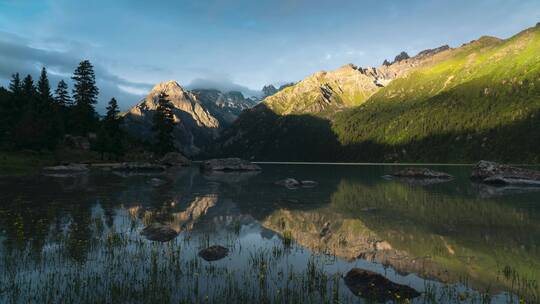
(479, 100)
(199, 114)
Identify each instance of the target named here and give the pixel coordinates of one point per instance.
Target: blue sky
(240, 45)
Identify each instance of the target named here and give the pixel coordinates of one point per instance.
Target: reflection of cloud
(17, 54)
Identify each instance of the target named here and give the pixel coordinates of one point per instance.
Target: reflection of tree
(25, 224)
(79, 234)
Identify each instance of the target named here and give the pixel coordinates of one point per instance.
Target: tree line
(35, 118)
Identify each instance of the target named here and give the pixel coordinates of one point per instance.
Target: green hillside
(478, 101)
(482, 101)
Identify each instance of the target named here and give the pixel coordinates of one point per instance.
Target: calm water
(77, 239)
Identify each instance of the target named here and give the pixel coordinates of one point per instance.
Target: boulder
(422, 173)
(69, 168)
(375, 287)
(214, 253)
(159, 233)
(76, 142)
(325, 230)
(173, 159)
(494, 173)
(229, 164)
(138, 167)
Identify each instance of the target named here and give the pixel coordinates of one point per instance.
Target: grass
(21, 163)
(115, 264)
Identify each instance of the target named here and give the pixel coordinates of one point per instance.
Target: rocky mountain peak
(166, 86)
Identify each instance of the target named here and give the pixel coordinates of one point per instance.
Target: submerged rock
(158, 232)
(288, 182)
(156, 182)
(173, 159)
(138, 167)
(229, 164)
(494, 173)
(292, 183)
(69, 168)
(422, 173)
(214, 253)
(308, 183)
(375, 287)
(419, 176)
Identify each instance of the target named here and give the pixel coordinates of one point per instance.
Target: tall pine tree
(43, 87)
(13, 105)
(15, 85)
(61, 94)
(28, 87)
(163, 126)
(110, 135)
(85, 94)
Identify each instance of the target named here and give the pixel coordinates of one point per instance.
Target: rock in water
(292, 183)
(421, 173)
(173, 159)
(214, 253)
(494, 173)
(289, 183)
(308, 183)
(69, 168)
(156, 182)
(229, 164)
(158, 232)
(375, 287)
(138, 167)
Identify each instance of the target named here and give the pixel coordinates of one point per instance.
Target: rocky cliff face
(194, 124)
(348, 86)
(199, 114)
(225, 107)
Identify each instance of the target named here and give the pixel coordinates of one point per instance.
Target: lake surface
(77, 238)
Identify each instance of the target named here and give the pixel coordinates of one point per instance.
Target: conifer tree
(28, 87)
(61, 95)
(85, 94)
(15, 84)
(110, 135)
(43, 87)
(163, 125)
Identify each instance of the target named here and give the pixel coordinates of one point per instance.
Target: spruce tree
(110, 135)
(28, 87)
(15, 84)
(43, 87)
(61, 95)
(163, 125)
(85, 94)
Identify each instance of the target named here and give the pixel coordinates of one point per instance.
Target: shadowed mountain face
(199, 115)
(481, 100)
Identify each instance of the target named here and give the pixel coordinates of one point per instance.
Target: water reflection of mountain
(491, 243)
(444, 231)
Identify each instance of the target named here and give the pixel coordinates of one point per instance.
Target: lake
(67, 239)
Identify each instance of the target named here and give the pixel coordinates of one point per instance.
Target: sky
(234, 45)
